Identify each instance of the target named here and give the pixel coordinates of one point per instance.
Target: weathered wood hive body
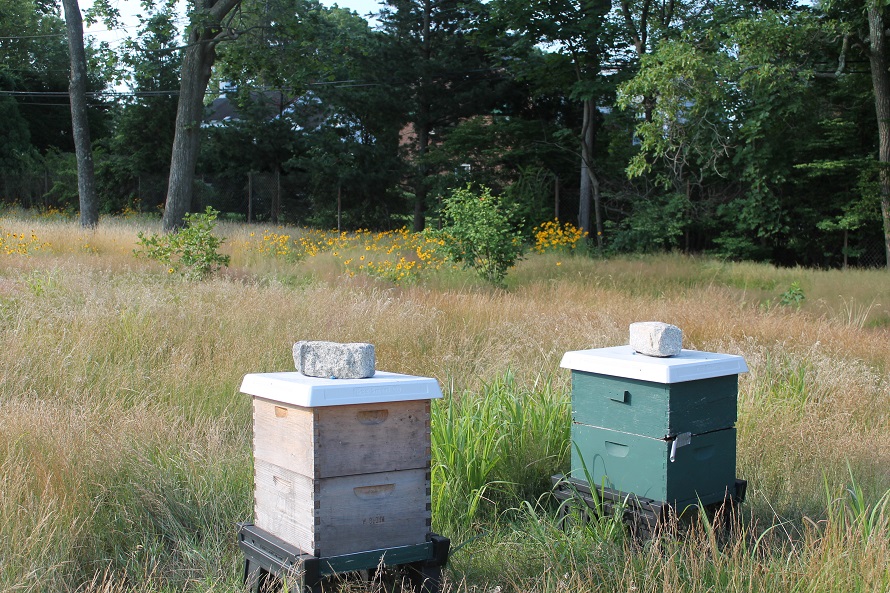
(342, 465)
(659, 428)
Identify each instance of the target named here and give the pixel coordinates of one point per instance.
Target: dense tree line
(757, 129)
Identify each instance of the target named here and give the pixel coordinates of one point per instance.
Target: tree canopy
(747, 130)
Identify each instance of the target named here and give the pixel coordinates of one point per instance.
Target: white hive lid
(299, 390)
(623, 361)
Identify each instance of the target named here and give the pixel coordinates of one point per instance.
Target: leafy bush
(793, 297)
(478, 233)
(190, 251)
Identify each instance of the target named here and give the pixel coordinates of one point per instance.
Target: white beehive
(342, 465)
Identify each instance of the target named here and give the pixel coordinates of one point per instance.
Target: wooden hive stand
(271, 564)
(643, 517)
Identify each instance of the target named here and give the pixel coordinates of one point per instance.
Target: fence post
(556, 198)
(276, 201)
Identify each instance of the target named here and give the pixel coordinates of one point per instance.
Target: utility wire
(347, 83)
(17, 37)
(87, 32)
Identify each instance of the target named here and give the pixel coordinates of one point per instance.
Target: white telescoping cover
(299, 390)
(623, 361)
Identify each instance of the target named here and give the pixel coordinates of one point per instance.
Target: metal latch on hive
(681, 440)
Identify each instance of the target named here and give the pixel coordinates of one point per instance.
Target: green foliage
(15, 147)
(190, 251)
(852, 513)
(494, 449)
(63, 193)
(793, 297)
(41, 283)
(530, 195)
(478, 232)
(655, 224)
(719, 111)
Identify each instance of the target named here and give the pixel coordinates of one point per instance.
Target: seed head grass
(125, 445)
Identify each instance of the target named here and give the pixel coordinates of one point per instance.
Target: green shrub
(793, 297)
(478, 232)
(190, 251)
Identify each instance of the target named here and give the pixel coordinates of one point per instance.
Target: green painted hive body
(657, 410)
(702, 470)
(628, 411)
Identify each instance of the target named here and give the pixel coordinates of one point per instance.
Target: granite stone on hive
(654, 338)
(333, 360)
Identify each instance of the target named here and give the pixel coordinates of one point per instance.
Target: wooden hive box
(342, 465)
(660, 428)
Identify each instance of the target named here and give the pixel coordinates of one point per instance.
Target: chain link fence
(870, 254)
(250, 196)
(30, 190)
(263, 197)
(256, 197)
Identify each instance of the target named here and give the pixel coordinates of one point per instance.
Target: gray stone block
(654, 338)
(333, 360)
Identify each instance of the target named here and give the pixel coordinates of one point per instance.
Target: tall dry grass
(125, 443)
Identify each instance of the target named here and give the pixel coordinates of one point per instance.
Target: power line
(17, 37)
(91, 94)
(346, 83)
(66, 105)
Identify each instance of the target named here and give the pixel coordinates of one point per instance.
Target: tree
(153, 64)
(16, 152)
(206, 30)
(724, 110)
(34, 58)
(133, 162)
(579, 34)
(35, 88)
(865, 30)
(337, 133)
(441, 73)
(879, 62)
(89, 206)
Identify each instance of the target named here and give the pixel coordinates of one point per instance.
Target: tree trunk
(196, 67)
(590, 187)
(846, 246)
(881, 82)
(422, 123)
(585, 189)
(80, 124)
(197, 64)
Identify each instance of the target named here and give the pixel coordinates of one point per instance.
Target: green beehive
(659, 428)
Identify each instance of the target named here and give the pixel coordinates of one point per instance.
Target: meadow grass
(125, 447)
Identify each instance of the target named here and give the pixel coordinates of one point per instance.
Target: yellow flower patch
(12, 243)
(399, 256)
(553, 236)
